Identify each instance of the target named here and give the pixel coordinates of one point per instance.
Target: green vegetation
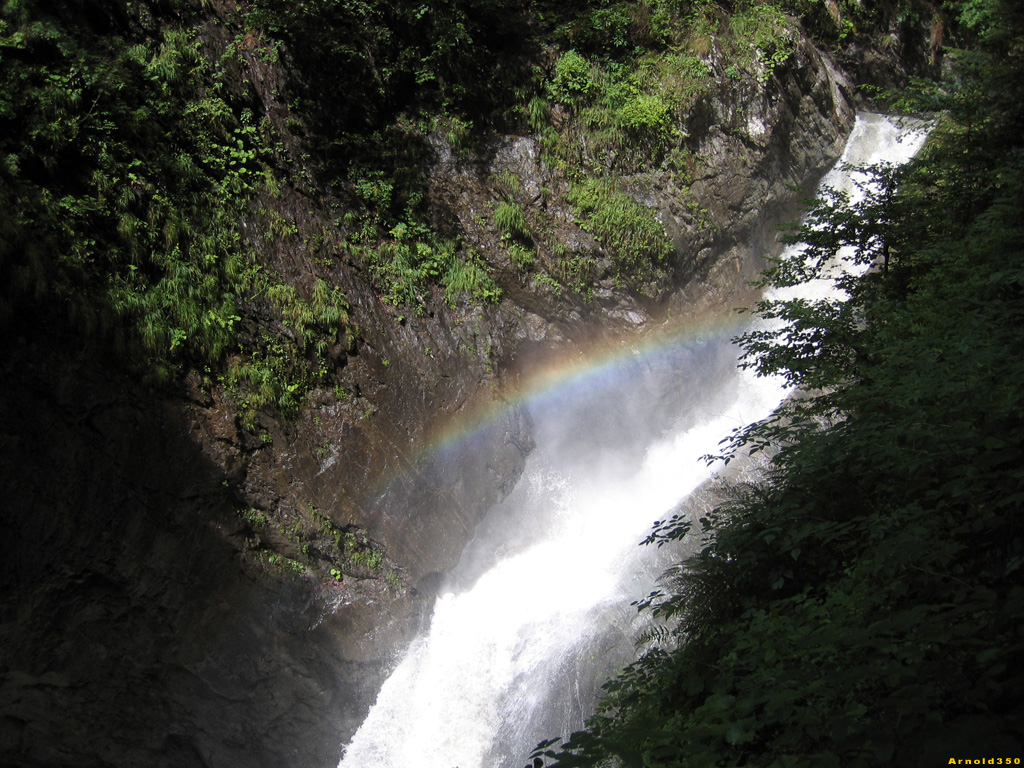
(415, 260)
(511, 220)
(411, 69)
(351, 549)
(573, 83)
(631, 92)
(318, 545)
(628, 74)
(522, 257)
(123, 178)
(126, 172)
(862, 604)
(127, 167)
(633, 237)
(130, 153)
(630, 80)
(129, 157)
(765, 30)
(283, 566)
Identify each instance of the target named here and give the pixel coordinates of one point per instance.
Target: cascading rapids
(537, 614)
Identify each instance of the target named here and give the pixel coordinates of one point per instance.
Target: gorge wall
(183, 587)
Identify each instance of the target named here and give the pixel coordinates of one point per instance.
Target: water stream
(537, 614)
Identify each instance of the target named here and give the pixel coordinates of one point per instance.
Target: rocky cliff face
(180, 589)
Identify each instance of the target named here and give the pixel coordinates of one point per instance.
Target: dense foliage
(122, 180)
(606, 84)
(862, 603)
(126, 170)
(132, 149)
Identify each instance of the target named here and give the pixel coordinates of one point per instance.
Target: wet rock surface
(180, 590)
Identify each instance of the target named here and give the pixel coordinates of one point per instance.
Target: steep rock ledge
(144, 619)
(750, 145)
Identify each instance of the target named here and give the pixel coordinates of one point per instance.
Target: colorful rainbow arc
(576, 374)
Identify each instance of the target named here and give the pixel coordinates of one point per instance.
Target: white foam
(475, 689)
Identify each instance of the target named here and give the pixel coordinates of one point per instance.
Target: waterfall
(537, 614)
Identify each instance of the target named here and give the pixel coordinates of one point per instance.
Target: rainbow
(578, 373)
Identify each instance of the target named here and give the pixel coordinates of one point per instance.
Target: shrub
(573, 83)
(647, 118)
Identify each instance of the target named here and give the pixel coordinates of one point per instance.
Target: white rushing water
(538, 613)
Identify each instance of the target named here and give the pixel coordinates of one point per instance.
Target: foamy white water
(538, 610)
(874, 139)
